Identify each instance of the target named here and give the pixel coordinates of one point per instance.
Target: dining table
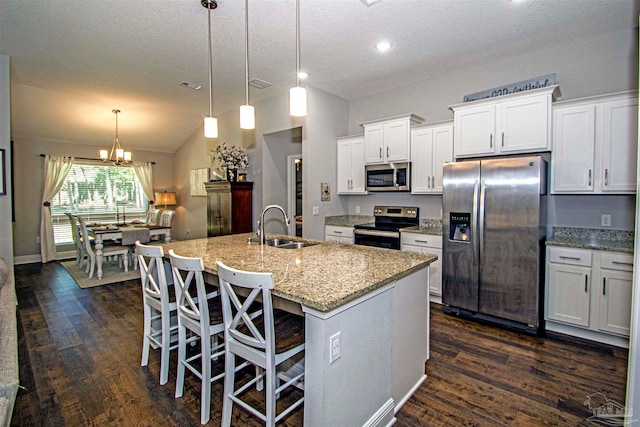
(101, 233)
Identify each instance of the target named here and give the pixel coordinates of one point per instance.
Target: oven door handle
(379, 233)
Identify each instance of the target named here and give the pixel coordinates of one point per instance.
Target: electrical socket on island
(605, 220)
(335, 347)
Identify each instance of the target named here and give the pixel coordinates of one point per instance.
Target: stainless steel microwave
(388, 177)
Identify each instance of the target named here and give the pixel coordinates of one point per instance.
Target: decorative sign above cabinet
(535, 83)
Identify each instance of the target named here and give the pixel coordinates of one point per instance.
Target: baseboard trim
(383, 416)
(409, 394)
(29, 259)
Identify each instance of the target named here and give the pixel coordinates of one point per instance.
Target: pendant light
(297, 94)
(247, 112)
(210, 122)
(121, 156)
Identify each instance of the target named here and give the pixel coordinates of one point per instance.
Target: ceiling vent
(191, 85)
(259, 84)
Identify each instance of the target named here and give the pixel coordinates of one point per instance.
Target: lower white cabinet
(340, 234)
(589, 293)
(432, 245)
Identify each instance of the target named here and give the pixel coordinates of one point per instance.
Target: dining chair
(159, 307)
(112, 250)
(77, 240)
(166, 218)
(273, 342)
(201, 314)
(152, 216)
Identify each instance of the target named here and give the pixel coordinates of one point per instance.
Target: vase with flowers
(230, 158)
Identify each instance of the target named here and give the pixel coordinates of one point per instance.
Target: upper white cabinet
(595, 143)
(515, 123)
(351, 165)
(388, 140)
(431, 146)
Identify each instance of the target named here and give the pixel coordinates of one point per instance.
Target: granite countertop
(585, 238)
(427, 226)
(322, 277)
(348, 220)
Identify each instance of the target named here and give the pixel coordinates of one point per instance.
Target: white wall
(6, 226)
(605, 64)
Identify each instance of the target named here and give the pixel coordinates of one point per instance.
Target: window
(98, 193)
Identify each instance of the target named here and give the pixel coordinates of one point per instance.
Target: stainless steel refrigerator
(494, 220)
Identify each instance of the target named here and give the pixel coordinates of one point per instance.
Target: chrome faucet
(260, 232)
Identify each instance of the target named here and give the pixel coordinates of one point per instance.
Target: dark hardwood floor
(79, 352)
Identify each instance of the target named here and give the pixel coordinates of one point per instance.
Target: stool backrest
(191, 294)
(152, 273)
(241, 323)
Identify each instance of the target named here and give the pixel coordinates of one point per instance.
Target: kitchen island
(376, 299)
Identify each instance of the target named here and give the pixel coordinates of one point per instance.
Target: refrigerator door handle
(480, 225)
(474, 221)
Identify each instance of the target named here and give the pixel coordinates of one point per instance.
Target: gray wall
(327, 120)
(605, 64)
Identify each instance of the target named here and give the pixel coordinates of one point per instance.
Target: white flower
(229, 157)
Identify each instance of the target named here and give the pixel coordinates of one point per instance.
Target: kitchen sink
(287, 244)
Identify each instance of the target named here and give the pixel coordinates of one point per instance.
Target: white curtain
(145, 176)
(56, 169)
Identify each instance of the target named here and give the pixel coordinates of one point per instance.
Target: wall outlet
(605, 220)
(335, 347)
(38, 239)
(316, 210)
(357, 209)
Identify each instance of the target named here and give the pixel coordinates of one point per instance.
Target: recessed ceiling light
(370, 2)
(383, 46)
(302, 75)
(518, 1)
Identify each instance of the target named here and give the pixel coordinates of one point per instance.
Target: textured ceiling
(73, 61)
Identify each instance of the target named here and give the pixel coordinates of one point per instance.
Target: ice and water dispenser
(460, 226)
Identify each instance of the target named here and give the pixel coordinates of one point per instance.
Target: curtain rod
(89, 158)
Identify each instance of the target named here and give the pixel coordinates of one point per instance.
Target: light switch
(316, 210)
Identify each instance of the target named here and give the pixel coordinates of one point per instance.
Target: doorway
(294, 192)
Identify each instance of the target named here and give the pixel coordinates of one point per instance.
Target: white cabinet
(431, 146)
(589, 291)
(616, 281)
(568, 284)
(595, 143)
(431, 245)
(516, 123)
(340, 234)
(350, 178)
(388, 140)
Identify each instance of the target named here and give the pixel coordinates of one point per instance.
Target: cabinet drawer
(428, 240)
(335, 230)
(616, 261)
(570, 256)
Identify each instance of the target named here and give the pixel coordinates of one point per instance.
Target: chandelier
(121, 156)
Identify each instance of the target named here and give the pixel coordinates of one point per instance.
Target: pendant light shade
(247, 117)
(297, 94)
(210, 122)
(247, 112)
(210, 127)
(298, 101)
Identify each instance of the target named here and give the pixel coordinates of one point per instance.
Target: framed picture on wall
(198, 178)
(3, 172)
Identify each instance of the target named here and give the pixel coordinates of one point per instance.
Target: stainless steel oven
(385, 231)
(388, 177)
